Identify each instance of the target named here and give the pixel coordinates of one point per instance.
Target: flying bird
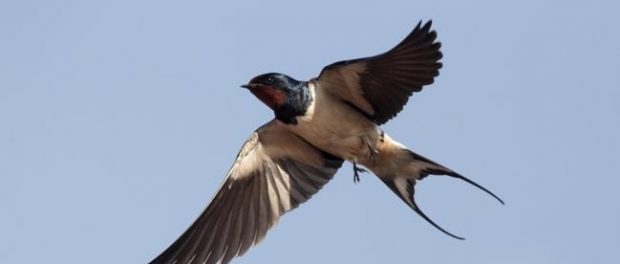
(318, 125)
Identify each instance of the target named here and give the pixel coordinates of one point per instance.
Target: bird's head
(274, 89)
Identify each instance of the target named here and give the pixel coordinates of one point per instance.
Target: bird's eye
(269, 80)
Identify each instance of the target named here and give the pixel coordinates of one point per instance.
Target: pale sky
(120, 119)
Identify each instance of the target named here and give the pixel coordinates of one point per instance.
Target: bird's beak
(247, 86)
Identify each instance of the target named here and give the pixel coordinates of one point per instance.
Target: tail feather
(406, 193)
(402, 183)
(447, 172)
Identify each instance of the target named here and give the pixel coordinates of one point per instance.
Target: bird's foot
(356, 171)
(372, 153)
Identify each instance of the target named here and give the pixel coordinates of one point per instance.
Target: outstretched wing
(381, 85)
(274, 172)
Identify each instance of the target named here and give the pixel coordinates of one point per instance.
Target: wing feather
(381, 85)
(274, 172)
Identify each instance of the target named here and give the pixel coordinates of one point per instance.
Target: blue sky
(119, 120)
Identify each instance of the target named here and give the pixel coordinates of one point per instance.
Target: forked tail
(412, 167)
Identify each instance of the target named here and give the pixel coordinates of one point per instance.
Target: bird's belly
(346, 146)
(338, 130)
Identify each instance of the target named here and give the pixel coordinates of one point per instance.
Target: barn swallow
(318, 125)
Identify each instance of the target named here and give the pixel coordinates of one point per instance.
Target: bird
(318, 125)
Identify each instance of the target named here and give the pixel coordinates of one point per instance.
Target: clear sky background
(120, 119)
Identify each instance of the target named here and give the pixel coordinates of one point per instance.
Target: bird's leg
(372, 151)
(372, 156)
(356, 171)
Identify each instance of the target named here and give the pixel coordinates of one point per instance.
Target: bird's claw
(356, 171)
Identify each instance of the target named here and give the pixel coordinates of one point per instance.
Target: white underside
(335, 127)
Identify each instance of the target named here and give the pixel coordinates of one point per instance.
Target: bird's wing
(380, 86)
(274, 172)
